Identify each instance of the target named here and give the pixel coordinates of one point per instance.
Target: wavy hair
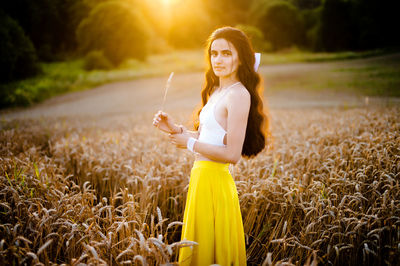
(257, 129)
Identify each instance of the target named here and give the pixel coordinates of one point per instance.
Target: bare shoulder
(239, 93)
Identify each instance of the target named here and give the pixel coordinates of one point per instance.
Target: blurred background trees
(18, 58)
(281, 23)
(121, 38)
(107, 32)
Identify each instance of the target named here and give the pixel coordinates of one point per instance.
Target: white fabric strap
(257, 62)
(190, 144)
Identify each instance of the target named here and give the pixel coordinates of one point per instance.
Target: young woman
(231, 124)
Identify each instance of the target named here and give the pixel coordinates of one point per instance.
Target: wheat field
(326, 191)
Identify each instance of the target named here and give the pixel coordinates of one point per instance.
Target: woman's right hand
(165, 123)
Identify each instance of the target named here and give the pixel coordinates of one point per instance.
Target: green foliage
(159, 45)
(313, 38)
(374, 23)
(328, 25)
(357, 25)
(228, 12)
(116, 29)
(306, 4)
(336, 22)
(96, 60)
(256, 36)
(281, 24)
(312, 27)
(46, 23)
(17, 54)
(56, 79)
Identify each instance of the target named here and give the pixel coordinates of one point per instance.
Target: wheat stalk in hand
(166, 89)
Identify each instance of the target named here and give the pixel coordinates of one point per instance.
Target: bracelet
(181, 128)
(190, 144)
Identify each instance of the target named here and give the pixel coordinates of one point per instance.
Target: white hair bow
(257, 62)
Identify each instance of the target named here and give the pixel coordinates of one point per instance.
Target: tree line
(115, 30)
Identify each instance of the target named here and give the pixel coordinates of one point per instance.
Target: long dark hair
(257, 129)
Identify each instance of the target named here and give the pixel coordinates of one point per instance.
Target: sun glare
(170, 2)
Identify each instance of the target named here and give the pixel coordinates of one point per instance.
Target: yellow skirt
(212, 218)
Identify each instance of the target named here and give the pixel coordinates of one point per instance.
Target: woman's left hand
(180, 140)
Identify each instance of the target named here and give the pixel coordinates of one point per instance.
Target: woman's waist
(202, 162)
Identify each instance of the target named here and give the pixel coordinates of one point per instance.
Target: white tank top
(211, 131)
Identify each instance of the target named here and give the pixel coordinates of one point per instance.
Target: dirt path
(145, 95)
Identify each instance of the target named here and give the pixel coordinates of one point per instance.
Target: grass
(295, 55)
(69, 76)
(369, 78)
(374, 80)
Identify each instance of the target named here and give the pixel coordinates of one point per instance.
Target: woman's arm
(238, 107)
(165, 123)
(193, 134)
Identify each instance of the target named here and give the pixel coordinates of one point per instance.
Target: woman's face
(224, 58)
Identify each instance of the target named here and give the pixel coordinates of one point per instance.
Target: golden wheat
(327, 191)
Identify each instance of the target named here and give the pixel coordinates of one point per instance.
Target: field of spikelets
(327, 191)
